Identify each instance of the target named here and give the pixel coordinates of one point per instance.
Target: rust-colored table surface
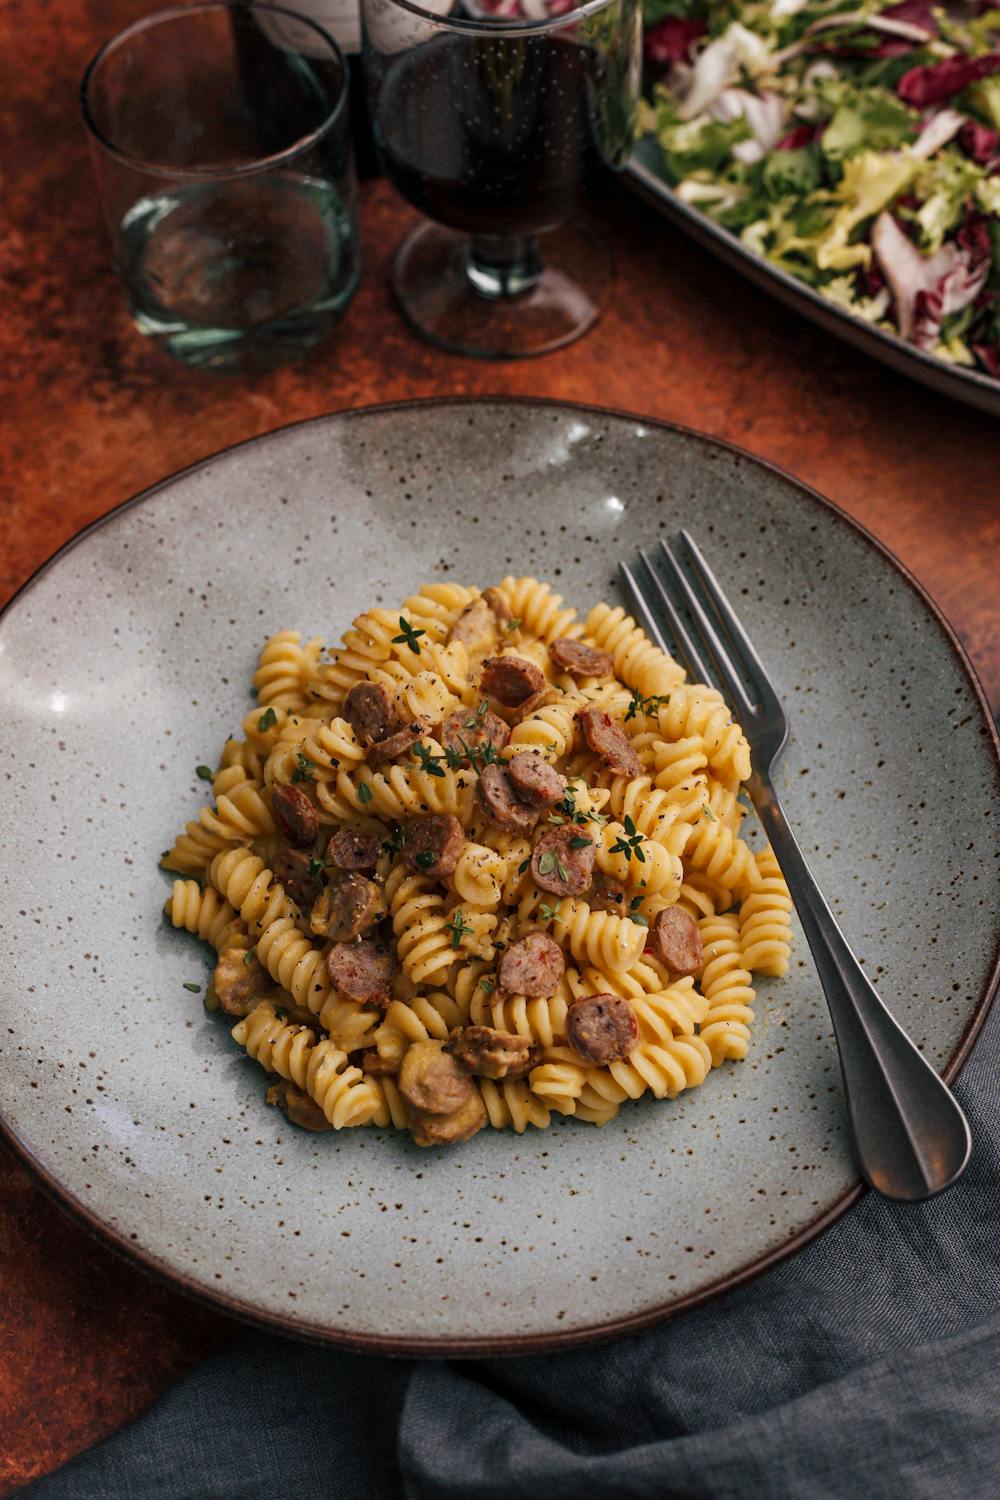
(91, 414)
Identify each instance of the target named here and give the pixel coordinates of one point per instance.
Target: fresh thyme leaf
(546, 862)
(638, 919)
(204, 772)
(568, 803)
(635, 903)
(487, 985)
(304, 768)
(458, 928)
(425, 858)
(317, 869)
(561, 870)
(364, 792)
(640, 705)
(514, 624)
(630, 842)
(194, 988)
(707, 812)
(267, 721)
(429, 762)
(547, 912)
(249, 956)
(394, 843)
(409, 636)
(580, 843)
(523, 866)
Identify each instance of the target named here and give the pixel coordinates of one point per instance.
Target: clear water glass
(220, 142)
(498, 131)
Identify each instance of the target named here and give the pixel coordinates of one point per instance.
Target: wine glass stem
(503, 265)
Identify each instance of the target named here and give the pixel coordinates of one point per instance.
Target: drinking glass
(219, 138)
(496, 130)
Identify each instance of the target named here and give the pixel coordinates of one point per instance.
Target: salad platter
(847, 159)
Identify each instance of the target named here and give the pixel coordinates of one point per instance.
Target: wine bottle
(342, 19)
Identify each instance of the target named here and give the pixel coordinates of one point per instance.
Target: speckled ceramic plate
(125, 662)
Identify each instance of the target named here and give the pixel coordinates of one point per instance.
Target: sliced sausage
(606, 894)
(501, 804)
(350, 850)
(432, 1080)
(562, 861)
(396, 744)
(369, 710)
(581, 660)
(296, 870)
(433, 844)
(347, 908)
(466, 730)
(238, 985)
(294, 814)
(532, 966)
(371, 1061)
(502, 612)
(608, 740)
(476, 628)
(297, 1107)
(362, 971)
(442, 1130)
(535, 781)
(601, 1028)
(494, 1054)
(511, 679)
(541, 699)
(676, 941)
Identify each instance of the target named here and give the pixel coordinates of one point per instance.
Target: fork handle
(909, 1132)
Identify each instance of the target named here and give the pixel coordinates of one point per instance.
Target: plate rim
(553, 1341)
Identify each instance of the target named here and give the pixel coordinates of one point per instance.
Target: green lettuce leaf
(791, 174)
(699, 145)
(873, 120)
(944, 185)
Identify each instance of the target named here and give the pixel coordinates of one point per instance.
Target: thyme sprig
(409, 636)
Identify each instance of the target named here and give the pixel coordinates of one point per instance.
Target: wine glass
(497, 129)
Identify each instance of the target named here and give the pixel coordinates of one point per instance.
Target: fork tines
(714, 637)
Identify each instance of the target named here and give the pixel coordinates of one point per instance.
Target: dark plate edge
(538, 1343)
(968, 386)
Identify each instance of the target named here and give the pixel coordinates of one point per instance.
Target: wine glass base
(432, 285)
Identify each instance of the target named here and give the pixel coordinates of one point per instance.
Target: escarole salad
(857, 147)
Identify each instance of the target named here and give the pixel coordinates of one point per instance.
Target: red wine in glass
(491, 140)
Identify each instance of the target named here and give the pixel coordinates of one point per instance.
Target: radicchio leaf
(935, 82)
(989, 357)
(802, 135)
(927, 288)
(979, 141)
(671, 41)
(915, 13)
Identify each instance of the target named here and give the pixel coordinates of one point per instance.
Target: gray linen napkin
(868, 1365)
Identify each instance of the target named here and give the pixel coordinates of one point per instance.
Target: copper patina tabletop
(91, 414)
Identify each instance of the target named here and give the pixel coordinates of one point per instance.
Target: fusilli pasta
(420, 929)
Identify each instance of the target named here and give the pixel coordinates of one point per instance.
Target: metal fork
(910, 1135)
